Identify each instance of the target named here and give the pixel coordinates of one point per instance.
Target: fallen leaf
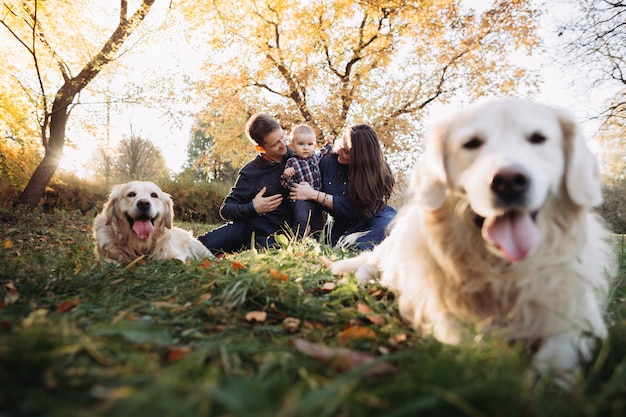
(369, 314)
(291, 324)
(117, 393)
(343, 359)
(355, 332)
(397, 339)
(67, 305)
(258, 316)
(313, 325)
(274, 273)
(277, 275)
(206, 264)
(238, 266)
(363, 308)
(12, 295)
(178, 352)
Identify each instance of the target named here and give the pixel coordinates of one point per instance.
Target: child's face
(303, 144)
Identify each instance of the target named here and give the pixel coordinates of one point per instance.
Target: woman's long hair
(370, 181)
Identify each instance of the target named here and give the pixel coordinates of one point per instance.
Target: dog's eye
(154, 195)
(537, 138)
(132, 194)
(473, 143)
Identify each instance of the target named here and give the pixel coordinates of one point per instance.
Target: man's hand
(264, 205)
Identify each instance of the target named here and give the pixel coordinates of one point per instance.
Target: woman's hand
(302, 191)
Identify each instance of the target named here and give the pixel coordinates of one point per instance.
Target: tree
(33, 25)
(206, 164)
(138, 160)
(611, 138)
(333, 62)
(595, 37)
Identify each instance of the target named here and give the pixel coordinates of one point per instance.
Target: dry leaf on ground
(343, 359)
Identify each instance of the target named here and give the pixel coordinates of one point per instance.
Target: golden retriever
(498, 234)
(137, 221)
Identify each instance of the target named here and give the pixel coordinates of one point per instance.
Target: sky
(172, 139)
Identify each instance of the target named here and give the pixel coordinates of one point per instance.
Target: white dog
(137, 221)
(498, 234)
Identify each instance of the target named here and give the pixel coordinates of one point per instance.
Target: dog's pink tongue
(514, 233)
(143, 228)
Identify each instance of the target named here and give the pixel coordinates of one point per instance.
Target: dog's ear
(111, 204)
(582, 174)
(168, 205)
(430, 178)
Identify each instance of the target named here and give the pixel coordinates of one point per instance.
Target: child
(304, 167)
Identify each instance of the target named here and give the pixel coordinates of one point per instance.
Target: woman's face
(343, 153)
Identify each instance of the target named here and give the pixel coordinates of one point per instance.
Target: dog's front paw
(560, 356)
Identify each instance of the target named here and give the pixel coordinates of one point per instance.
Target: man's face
(275, 147)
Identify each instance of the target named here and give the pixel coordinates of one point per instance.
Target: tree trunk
(36, 187)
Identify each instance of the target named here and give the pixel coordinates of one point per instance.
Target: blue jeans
(234, 236)
(305, 213)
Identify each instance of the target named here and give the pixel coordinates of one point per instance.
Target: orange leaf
(274, 273)
(363, 308)
(369, 314)
(178, 352)
(205, 264)
(68, 305)
(356, 332)
(238, 265)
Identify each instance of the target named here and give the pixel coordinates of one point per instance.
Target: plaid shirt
(306, 170)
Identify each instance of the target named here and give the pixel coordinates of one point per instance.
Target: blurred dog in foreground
(498, 235)
(137, 221)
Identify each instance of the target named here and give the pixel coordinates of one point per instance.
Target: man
(257, 205)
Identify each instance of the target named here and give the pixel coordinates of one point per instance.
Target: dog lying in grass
(137, 221)
(499, 235)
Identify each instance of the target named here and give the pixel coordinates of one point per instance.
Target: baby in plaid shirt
(304, 167)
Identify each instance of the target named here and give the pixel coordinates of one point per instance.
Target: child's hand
(288, 173)
(330, 139)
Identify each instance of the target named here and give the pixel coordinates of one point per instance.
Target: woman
(356, 184)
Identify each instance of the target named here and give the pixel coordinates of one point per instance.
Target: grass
(259, 333)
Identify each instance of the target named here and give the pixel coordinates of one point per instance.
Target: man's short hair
(260, 125)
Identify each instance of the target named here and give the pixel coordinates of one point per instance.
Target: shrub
(197, 202)
(193, 202)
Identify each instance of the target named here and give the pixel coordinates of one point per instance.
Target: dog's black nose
(510, 183)
(143, 205)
